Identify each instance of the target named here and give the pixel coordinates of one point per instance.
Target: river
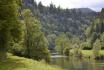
(73, 63)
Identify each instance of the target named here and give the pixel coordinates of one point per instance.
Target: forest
(38, 37)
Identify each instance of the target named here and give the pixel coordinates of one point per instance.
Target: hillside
(56, 20)
(96, 30)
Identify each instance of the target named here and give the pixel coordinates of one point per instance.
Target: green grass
(20, 63)
(89, 53)
(102, 52)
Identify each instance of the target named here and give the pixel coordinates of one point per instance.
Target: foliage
(96, 48)
(17, 48)
(86, 46)
(56, 20)
(76, 40)
(51, 39)
(77, 50)
(95, 31)
(10, 27)
(61, 43)
(67, 51)
(102, 40)
(35, 41)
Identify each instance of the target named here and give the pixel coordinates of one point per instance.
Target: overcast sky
(93, 4)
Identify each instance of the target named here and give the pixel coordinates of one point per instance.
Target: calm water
(77, 64)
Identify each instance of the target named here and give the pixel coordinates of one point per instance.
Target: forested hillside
(96, 30)
(56, 20)
(38, 37)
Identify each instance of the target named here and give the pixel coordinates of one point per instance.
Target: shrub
(67, 51)
(96, 48)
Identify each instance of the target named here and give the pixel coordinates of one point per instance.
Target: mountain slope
(57, 20)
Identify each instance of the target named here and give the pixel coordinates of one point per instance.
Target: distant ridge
(86, 10)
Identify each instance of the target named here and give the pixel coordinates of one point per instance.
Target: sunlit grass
(89, 53)
(20, 63)
(102, 52)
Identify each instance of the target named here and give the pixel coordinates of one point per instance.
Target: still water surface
(77, 64)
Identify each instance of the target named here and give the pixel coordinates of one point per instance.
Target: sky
(96, 5)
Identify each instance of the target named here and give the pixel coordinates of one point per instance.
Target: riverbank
(89, 53)
(20, 63)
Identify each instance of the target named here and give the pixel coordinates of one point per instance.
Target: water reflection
(78, 64)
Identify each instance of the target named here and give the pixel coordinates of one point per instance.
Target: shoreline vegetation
(29, 40)
(89, 54)
(21, 63)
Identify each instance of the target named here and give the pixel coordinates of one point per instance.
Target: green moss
(20, 63)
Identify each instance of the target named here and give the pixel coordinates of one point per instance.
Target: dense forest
(68, 29)
(55, 20)
(96, 30)
(21, 37)
(32, 35)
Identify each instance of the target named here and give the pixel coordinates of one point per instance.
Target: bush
(67, 51)
(17, 48)
(86, 46)
(96, 48)
(78, 52)
(40, 54)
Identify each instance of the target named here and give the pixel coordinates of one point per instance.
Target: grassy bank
(20, 63)
(89, 53)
